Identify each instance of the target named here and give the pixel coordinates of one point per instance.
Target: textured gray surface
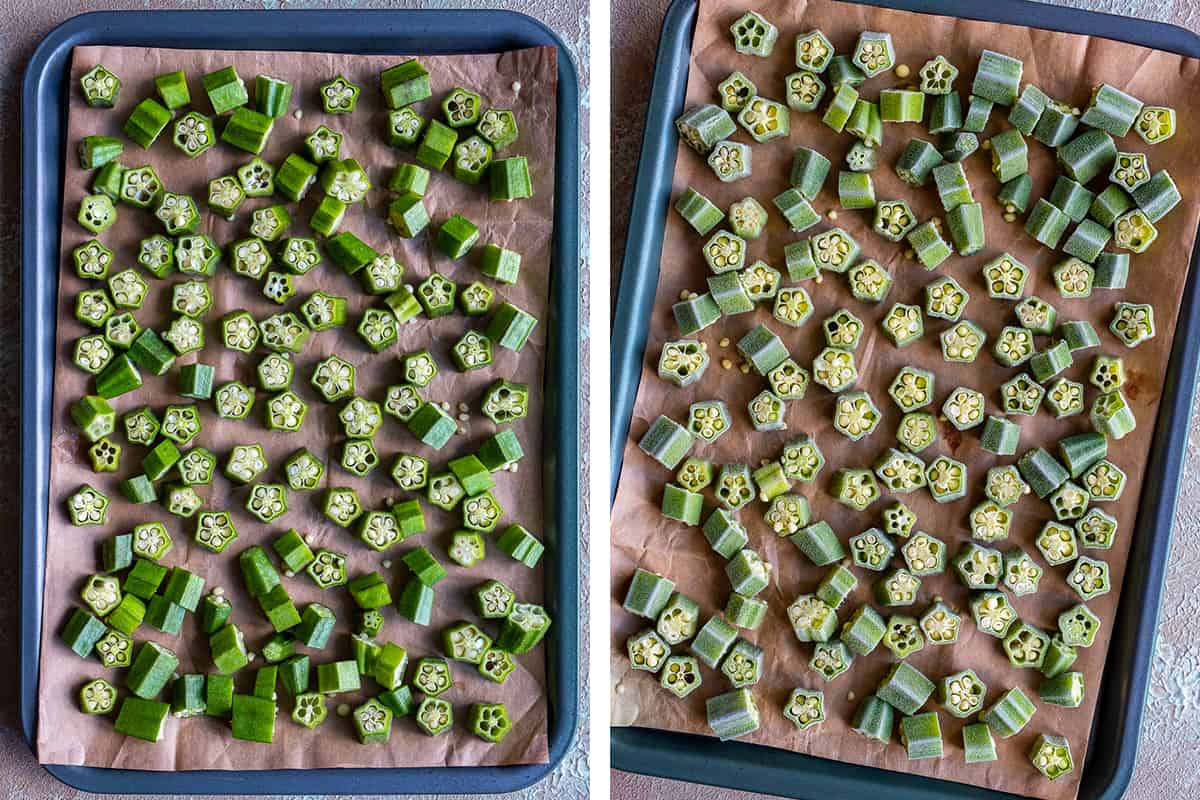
(1166, 764)
(23, 23)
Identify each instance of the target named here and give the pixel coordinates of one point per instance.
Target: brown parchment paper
(523, 80)
(1065, 67)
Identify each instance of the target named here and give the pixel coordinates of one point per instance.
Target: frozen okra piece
(700, 212)
(678, 620)
(787, 513)
(903, 324)
(799, 214)
(648, 593)
(993, 614)
(805, 708)
(819, 544)
(743, 666)
(680, 675)
(724, 533)
(917, 430)
(803, 90)
(793, 306)
(764, 119)
(836, 585)
(1051, 756)
(898, 520)
(802, 459)
(874, 719)
(789, 380)
(830, 659)
(962, 342)
(812, 619)
(667, 442)
(1026, 646)
(1078, 626)
(928, 245)
(964, 408)
(834, 250)
(735, 91)
(1074, 278)
(1079, 335)
(762, 349)
(1155, 124)
(863, 631)
(813, 51)
(703, 126)
(1089, 578)
(761, 281)
(912, 388)
(734, 486)
(1104, 481)
(947, 479)
(725, 252)
(842, 329)
(997, 78)
(767, 411)
(1112, 416)
(771, 481)
(873, 53)
(1021, 573)
(1057, 543)
(745, 612)
(897, 588)
(940, 624)
(945, 299)
(1000, 435)
(732, 714)
(748, 573)
(916, 163)
(855, 488)
(747, 217)
(899, 471)
(753, 35)
(695, 313)
(856, 190)
(1064, 398)
(871, 549)
(989, 521)
(962, 694)
(708, 420)
(869, 282)
(713, 641)
(1013, 346)
(681, 362)
(731, 161)
(1021, 395)
(978, 568)
(1133, 323)
(905, 688)
(834, 369)
(924, 555)
(647, 651)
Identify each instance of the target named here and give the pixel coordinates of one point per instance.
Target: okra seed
(218, 590)
(1010, 217)
(387, 563)
(463, 407)
(343, 710)
(902, 71)
(832, 213)
(298, 113)
(464, 417)
(724, 342)
(726, 363)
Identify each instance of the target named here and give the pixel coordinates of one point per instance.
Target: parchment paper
(66, 736)
(1065, 67)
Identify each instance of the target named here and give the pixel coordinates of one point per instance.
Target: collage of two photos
(646, 399)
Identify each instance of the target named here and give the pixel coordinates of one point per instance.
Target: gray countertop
(23, 23)
(1166, 764)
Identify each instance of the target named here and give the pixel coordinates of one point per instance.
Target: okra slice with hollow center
(214, 530)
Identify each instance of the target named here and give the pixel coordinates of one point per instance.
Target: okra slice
(901, 472)
(702, 127)
(793, 306)
(962, 342)
(743, 665)
(924, 554)
(964, 409)
(812, 619)
(898, 520)
(713, 641)
(761, 281)
(731, 161)
(1000, 436)
(1014, 195)
(1013, 346)
(905, 688)
(993, 614)
(834, 369)
(916, 163)
(753, 35)
(863, 631)
(733, 714)
(897, 588)
(802, 459)
(803, 90)
(1010, 154)
(1112, 416)
(830, 659)
(855, 415)
(748, 572)
(1071, 197)
(1089, 578)
(805, 708)
(928, 245)
(917, 430)
(958, 145)
(1133, 323)
(787, 514)
(503, 402)
(874, 719)
(855, 488)
(978, 567)
(1026, 647)
(921, 735)
(903, 636)
(700, 212)
(871, 549)
(1021, 395)
(764, 119)
(997, 78)
(869, 282)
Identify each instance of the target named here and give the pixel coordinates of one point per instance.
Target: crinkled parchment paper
(1066, 67)
(523, 80)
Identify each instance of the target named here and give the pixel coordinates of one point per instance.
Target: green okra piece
(732, 714)
(874, 719)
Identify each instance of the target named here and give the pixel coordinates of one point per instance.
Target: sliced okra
(812, 619)
(917, 431)
(819, 544)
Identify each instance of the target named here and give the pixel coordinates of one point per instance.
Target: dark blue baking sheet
(755, 768)
(43, 124)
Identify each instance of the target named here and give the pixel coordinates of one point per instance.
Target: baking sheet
(1065, 66)
(523, 80)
